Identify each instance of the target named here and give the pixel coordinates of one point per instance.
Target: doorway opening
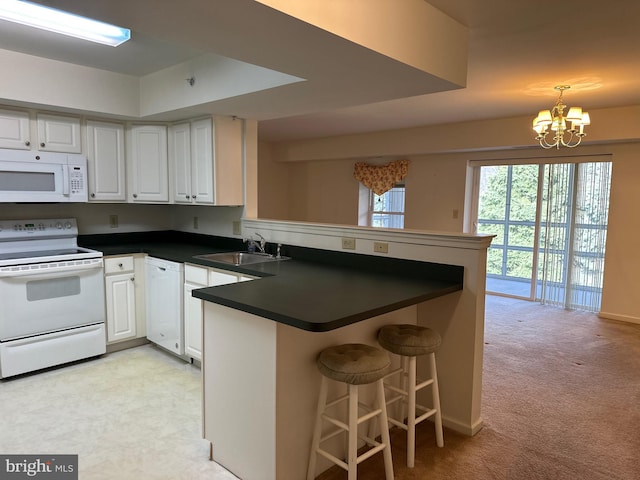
(550, 226)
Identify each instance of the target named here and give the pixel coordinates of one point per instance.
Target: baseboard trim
(620, 318)
(463, 428)
(136, 342)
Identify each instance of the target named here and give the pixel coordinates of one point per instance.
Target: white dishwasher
(163, 292)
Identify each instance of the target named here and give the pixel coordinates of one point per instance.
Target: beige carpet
(561, 400)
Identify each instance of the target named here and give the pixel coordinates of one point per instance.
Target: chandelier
(555, 121)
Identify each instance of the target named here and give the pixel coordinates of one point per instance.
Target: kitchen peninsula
(261, 338)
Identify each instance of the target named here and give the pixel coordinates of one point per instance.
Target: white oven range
(51, 296)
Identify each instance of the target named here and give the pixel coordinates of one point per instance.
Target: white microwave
(42, 177)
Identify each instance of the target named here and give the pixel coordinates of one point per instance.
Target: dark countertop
(315, 290)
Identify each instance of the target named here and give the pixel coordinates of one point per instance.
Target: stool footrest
(424, 384)
(376, 447)
(333, 458)
(397, 423)
(372, 451)
(331, 434)
(428, 414)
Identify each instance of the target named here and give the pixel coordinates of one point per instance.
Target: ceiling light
(57, 21)
(555, 120)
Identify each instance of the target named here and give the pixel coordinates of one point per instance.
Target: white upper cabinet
(191, 158)
(148, 167)
(55, 133)
(14, 130)
(180, 161)
(105, 161)
(206, 161)
(202, 174)
(58, 133)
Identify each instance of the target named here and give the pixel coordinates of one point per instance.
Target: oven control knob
(41, 226)
(59, 226)
(67, 225)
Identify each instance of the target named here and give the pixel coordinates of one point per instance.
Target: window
(387, 210)
(550, 222)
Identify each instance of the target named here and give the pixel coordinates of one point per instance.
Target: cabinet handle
(27, 143)
(93, 195)
(193, 196)
(120, 265)
(133, 279)
(42, 144)
(187, 197)
(135, 195)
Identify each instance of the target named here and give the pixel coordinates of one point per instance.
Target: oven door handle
(49, 268)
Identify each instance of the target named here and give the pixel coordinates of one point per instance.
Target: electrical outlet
(237, 228)
(381, 247)
(455, 213)
(113, 221)
(349, 243)
(195, 223)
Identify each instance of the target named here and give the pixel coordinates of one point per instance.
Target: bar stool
(352, 364)
(409, 341)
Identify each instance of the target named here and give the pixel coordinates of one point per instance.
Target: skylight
(38, 16)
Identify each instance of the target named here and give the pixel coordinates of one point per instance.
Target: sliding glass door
(550, 224)
(508, 208)
(575, 208)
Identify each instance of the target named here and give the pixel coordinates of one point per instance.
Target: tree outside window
(387, 210)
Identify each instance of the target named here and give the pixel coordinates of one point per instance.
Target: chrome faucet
(263, 243)
(253, 245)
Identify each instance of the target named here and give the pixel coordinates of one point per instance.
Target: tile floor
(133, 414)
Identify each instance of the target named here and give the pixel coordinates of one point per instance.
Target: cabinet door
(180, 160)
(149, 167)
(105, 161)
(202, 174)
(193, 311)
(58, 134)
(121, 307)
(14, 130)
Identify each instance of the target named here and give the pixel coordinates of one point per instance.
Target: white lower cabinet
(194, 277)
(120, 298)
(124, 298)
(201, 277)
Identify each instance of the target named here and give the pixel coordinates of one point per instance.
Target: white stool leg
(411, 416)
(352, 454)
(404, 385)
(317, 430)
(384, 432)
(436, 401)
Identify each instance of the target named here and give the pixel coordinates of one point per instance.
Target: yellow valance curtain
(381, 178)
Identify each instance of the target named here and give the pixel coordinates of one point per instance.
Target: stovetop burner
(41, 253)
(41, 241)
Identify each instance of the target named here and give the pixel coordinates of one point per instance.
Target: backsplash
(94, 218)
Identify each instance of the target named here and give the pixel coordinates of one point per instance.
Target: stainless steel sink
(239, 258)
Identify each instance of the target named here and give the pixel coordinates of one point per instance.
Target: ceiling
(518, 51)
